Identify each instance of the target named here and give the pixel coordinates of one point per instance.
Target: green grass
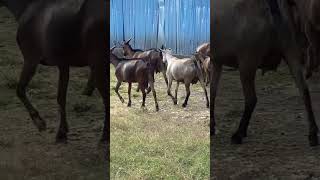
(157, 145)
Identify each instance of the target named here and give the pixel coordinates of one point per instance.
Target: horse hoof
(313, 140)
(208, 106)
(61, 138)
(157, 108)
(236, 139)
(122, 100)
(184, 105)
(129, 104)
(175, 102)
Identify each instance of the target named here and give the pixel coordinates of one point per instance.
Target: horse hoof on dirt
(129, 105)
(313, 140)
(40, 124)
(157, 108)
(122, 100)
(175, 102)
(61, 138)
(208, 105)
(236, 139)
(184, 105)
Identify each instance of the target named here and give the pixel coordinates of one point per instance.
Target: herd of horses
(138, 66)
(247, 35)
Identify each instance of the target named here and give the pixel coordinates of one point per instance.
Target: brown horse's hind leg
(247, 76)
(296, 71)
(90, 86)
(62, 93)
(117, 91)
(151, 84)
(129, 94)
(144, 94)
(188, 94)
(27, 73)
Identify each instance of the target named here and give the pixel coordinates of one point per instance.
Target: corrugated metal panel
(179, 24)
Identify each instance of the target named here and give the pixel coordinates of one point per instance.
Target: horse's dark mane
(137, 50)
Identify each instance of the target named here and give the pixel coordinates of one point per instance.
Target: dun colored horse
(185, 70)
(63, 34)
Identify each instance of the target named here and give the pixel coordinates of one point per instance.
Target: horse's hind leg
(117, 91)
(144, 94)
(90, 86)
(27, 73)
(129, 94)
(296, 71)
(247, 76)
(188, 94)
(62, 94)
(205, 92)
(215, 78)
(175, 101)
(151, 83)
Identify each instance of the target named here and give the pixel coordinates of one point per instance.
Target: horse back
(132, 71)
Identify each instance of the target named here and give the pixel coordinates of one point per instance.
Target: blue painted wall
(179, 24)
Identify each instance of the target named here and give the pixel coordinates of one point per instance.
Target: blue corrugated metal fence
(179, 24)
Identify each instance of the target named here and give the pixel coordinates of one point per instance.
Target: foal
(185, 70)
(135, 70)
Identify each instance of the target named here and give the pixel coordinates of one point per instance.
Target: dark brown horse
(63, 34)
(155, 57)
(134, 70)
(268, 32)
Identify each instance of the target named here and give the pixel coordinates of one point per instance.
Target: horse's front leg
(169, 88)
(62, 93)
(28, 71)
(175, 101)
(90, 86)
(188, 94)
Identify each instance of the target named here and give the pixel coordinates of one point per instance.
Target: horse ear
(128, 41)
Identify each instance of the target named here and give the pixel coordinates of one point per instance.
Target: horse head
(126, 47)
(164, 52)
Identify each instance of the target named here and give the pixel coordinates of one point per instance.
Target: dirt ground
(277, 145)
(24, 152)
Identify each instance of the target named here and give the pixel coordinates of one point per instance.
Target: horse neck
(114, 60)
(130, 51)
(169, 57)
(17, 7)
